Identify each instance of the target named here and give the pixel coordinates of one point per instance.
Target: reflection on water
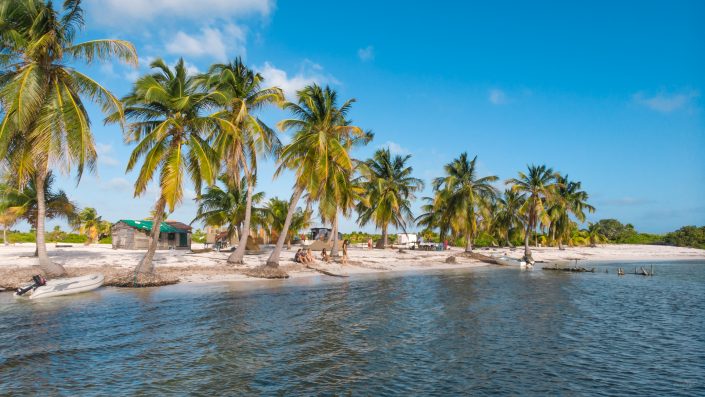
(481, 332)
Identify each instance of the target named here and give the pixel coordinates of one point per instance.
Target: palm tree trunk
(509, 243)
(238, 256)
(4, 235)
(334, 250)
(382, 243)
(527, 250)
(273, 260)
(468, 243)
(146, 265)
(560, 244)
(50, 268)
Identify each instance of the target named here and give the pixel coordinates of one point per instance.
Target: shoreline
(17, 265)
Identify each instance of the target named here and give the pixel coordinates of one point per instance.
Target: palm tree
(389, 189)
(567, 200)
(240, 93)
(594, 234)
(167, 120)
(227, 206)
(276, 213)
(24, 204)
(466, 195)
(45, 122)
(320, 147)
(90, 224)
(507, 215)
(539, 187)
(7, 217)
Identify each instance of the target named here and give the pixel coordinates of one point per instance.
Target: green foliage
(106, 240)
(485, 239)
(198, 236)
(687, 236)
(18, 237)
(74, 238)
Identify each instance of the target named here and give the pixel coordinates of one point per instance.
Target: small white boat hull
(66, 286)
(507, 261)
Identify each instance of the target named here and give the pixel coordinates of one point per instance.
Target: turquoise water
(480, 332)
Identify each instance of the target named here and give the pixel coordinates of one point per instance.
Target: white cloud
(309, 73)
(120, 184)
(121, 12)
(104, 152)
(366, 54)
(666, 102)
(395, 148)
(210, 42)
(497, 96)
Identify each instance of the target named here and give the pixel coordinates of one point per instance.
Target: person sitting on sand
(309, 256)
(324, 256)
(297, 256)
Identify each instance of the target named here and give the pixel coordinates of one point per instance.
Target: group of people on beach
(305, 256)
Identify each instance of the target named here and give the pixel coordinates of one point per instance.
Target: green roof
(147, 225)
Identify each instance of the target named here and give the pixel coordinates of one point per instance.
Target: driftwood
(326, 272)
(570, 269)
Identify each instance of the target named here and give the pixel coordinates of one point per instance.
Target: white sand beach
(16, 261)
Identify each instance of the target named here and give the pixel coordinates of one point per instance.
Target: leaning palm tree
(466, 195)
(226, 205)
(321, 143)
(539, 187)
(568, 200)
(240, 93)
(45, 123)
(389, 190)
(166, 110)
(507, 216)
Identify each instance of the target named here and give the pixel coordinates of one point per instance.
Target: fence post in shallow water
(652, 270)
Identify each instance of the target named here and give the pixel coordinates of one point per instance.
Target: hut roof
(147, 225)
(179, 225)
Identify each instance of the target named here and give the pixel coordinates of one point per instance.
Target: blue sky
(610, 93)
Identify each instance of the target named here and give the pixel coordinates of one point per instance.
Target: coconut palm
(45, 122)
(594, 234)
(539, 186)
(91, 225)
(320, 147)
(8, 218)
(435, 214)
(166, 110)
(240, 93)
(276, 213)
(227, 206)
(507, 215)
(389, 189)
(466, 195)
(568, 200)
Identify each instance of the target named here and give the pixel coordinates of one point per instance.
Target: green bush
(687, 236)
(106, 240)
(18, 237)
(74, 238)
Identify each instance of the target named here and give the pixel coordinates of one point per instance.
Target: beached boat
(62, 286)
(507, 261)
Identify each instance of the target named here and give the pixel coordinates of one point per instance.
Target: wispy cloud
(209, 42)
(666, 102)
(366, 54)
(120, 12)
(105, 151)
(395, 148)
(119, 184)
(309, 73)
(497, 96)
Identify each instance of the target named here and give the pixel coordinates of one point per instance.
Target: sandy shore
(17, 263)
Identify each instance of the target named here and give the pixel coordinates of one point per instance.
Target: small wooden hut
(134, 234)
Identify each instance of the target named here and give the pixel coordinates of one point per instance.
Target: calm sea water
(476, 332)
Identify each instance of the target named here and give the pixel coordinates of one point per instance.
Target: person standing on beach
(345, 250)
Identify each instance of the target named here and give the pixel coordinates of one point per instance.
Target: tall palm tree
(466, 195)
(275, 214)
(227, 206)
(568, 200)
(45, 123)
(389, 189)
(507, 215)
(240, 93)
(24, 203)
(168, 120)
(539, 187)
(320, 146)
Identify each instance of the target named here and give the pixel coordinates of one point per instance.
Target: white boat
(65, 286)
(507, 261)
